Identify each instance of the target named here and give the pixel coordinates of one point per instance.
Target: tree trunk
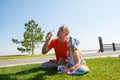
(32, 48)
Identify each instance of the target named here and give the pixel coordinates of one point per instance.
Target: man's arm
(44, 48)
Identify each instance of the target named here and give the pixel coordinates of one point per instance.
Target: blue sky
(87, 20)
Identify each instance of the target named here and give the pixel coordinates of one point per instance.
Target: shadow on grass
(37, 74)
(46, 72)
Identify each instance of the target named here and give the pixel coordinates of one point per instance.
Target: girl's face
(69, 43)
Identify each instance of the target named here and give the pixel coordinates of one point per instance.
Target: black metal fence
(108, 47)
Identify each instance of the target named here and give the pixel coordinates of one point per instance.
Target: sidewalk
(15, 62)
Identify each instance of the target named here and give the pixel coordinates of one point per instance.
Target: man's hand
(48, 36)
(62, 61)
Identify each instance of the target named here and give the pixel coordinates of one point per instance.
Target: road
(24, 61)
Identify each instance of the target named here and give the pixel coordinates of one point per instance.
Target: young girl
(76, 64)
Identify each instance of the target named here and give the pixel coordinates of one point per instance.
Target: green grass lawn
(101, 69)
(23, 56)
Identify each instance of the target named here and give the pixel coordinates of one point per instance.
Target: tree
(33, 35)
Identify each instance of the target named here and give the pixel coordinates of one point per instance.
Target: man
(60, 47)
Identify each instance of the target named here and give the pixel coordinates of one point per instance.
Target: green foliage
(33, 35)
(15, 41)
(101, 69)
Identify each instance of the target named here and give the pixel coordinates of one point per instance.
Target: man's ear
(67, 33)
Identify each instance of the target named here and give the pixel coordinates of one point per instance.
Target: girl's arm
(77, 60)
(77, 55)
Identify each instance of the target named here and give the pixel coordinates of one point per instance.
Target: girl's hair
(74, 49)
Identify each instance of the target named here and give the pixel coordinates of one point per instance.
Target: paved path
(14, 62)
